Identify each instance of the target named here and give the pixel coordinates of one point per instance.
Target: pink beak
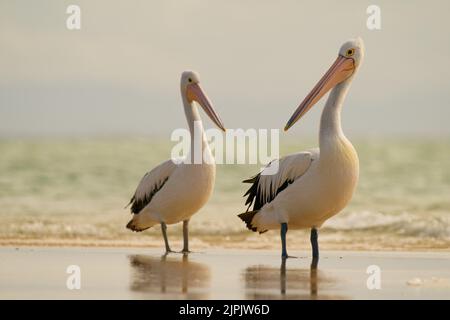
(195, 93)
(341, 69)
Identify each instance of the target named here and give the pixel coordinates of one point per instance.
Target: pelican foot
(168, 252)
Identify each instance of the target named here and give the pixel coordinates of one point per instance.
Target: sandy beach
(127, 273)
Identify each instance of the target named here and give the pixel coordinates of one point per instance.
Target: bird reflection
(171, 277)
(263, 282)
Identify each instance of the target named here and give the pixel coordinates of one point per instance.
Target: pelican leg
(283, 277)
(185, 236)
(283, 231)
(315, 245)
(166, 241)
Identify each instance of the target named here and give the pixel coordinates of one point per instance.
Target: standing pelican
(175, 190)
(311, 186)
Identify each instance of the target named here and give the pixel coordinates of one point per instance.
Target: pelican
(175, 190)
(311, 186)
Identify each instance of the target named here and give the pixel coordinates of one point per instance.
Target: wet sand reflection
(175, 277)
(263, 282)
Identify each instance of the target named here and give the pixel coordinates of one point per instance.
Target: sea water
(74, 192)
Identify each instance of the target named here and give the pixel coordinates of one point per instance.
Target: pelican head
(192, 91)
(349, 59)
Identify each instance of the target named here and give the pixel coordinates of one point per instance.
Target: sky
(119, 74)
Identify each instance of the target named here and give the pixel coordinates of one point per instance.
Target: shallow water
(74, 192)
(137, 273)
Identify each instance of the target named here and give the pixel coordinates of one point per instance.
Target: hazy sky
(257, 60)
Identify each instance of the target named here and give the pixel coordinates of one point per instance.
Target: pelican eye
(350, 52)
(190, 80)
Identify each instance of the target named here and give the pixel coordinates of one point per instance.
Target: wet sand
(127, 273)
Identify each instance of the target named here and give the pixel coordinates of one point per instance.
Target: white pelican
(311, 186)
(175, 190)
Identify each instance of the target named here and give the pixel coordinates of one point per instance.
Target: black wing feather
(138, 204)
(254, 196)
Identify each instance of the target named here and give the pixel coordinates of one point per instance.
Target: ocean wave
(407, 224)
(370, 222)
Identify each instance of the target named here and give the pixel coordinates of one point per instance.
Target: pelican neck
(196, 129)
(330, 122)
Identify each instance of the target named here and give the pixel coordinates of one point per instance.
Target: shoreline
(200, 245)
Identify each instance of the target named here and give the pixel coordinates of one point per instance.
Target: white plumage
(155, 179)
(290, 168)
(310, 187)
(151, 183)
(176, 189)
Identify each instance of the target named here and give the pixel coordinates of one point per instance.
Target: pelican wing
(150, 184)
(266, 186)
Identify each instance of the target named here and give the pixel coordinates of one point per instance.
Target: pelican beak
(195, 93)
(341, 69)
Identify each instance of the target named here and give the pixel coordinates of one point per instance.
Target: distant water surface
(74, 192)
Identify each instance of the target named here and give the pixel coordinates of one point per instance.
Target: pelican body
(311, 186)
(175, 190)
